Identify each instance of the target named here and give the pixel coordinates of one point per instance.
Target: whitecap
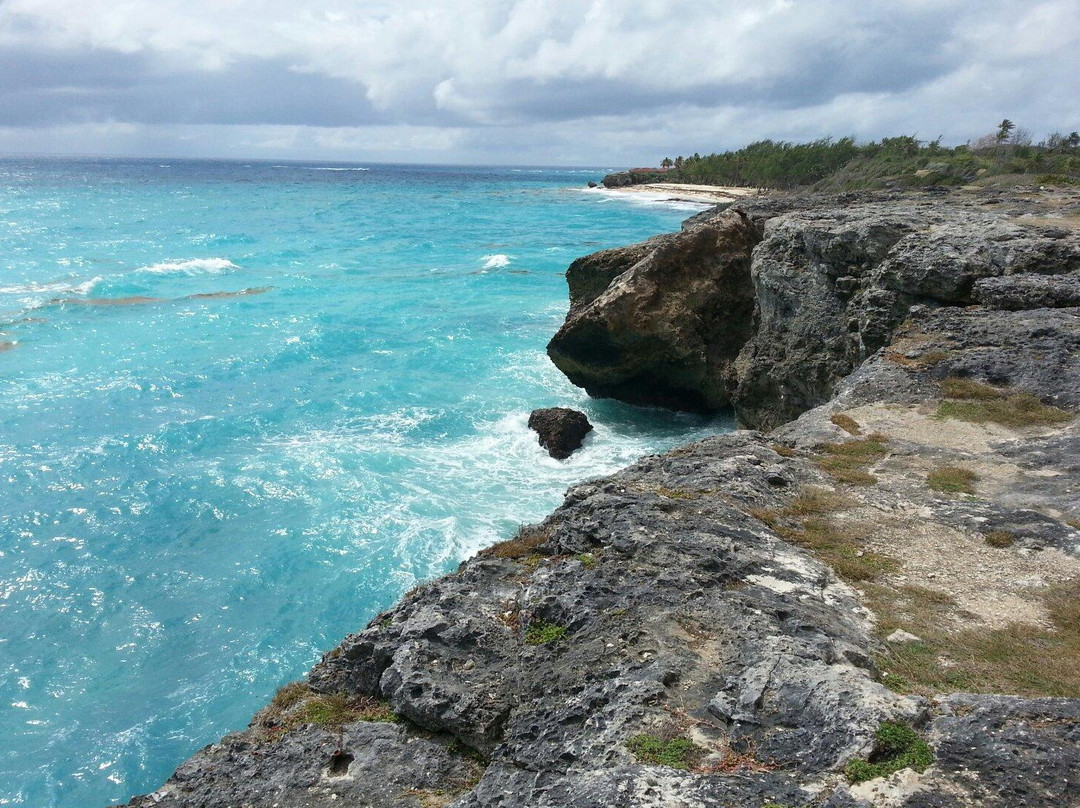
(86, 287)
(496, 261)
(195, 266)
(331, 168)
(51, 287)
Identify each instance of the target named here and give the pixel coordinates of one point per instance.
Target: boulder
(661, 323)
(561, 430)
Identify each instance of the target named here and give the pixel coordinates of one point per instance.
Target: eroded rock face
(561, 430)
(687, 321)
(667, 327)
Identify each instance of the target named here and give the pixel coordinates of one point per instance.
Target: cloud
(490, 73)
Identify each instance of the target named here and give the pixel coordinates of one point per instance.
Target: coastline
(705, 195)
(734, 621)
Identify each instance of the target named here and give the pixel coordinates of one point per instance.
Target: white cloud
(493, 72)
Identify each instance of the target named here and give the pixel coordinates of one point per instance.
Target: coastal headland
(869, 597)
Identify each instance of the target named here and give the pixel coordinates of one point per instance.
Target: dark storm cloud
(42, 88)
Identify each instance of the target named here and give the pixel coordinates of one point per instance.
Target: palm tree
(1004, 130)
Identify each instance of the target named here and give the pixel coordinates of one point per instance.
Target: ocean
(244, 406)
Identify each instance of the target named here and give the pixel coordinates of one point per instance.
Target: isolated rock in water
(592, 184)
(670, 321)
(561, 430)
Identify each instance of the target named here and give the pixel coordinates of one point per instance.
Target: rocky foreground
(877, 603)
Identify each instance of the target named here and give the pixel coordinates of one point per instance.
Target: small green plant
(540, 632)
(952, 480)
(896, 746)
(678, 753)
(1000, 538)
(588, 560)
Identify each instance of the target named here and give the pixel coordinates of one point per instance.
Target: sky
(555, 82)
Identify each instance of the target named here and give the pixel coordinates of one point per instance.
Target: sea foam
(496, 261)
(195, 266)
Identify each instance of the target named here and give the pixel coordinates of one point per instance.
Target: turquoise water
(200, 492)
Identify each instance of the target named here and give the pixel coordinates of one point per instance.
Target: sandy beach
(682, 192)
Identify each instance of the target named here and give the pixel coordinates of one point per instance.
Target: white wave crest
(52, 287)
(496, 261)
(195, 266)
(86, 287)
(330, 168)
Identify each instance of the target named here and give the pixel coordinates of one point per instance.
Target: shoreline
(705, 195)
(749, 604)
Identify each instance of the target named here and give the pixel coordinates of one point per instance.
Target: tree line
(905, 160)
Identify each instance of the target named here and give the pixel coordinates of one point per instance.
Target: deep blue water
(200, 493)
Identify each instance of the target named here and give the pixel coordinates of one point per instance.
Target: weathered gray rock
(560, 430)
(830, 281)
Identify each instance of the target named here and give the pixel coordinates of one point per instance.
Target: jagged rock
(561, 430)
(830, 281)
(668, 327)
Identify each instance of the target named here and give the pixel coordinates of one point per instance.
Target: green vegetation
(1000, 538)
(540, 632)
(588, 560)
(969, 400)
(952, 480)
(296, 704)
(841, 164)
(848, 461)
(678, 753)
(1020, 659)
(337, 709)
(896, 746)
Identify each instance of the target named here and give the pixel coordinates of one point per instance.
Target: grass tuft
(1020, 659)
(847, 462)
(1000, 538)
(540, 632)
(522, 545)
(896, 746)
(678, 753)
(952, 480)
(847, 423)
(969, 400)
